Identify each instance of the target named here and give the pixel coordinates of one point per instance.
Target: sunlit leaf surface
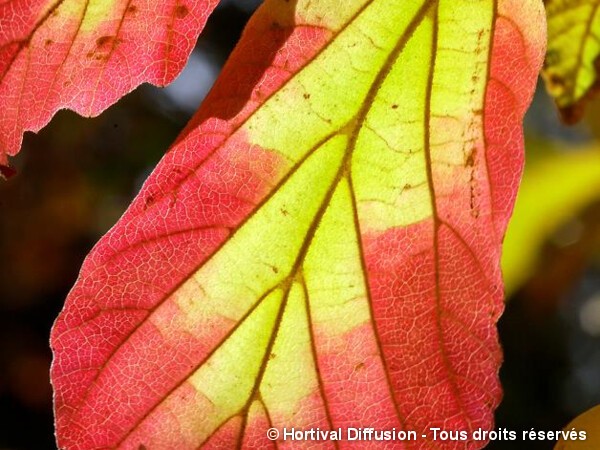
(321, 246)
(571, 66)
(86, 54)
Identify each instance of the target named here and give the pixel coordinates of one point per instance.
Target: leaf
(543, 205)
(86, 54)
(589, 423)
(571, 66)
(321, 246)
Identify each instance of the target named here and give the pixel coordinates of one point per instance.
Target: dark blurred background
(77, 176)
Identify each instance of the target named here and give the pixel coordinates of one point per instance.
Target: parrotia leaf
(321, 246)
(571, 66)
(86, 54)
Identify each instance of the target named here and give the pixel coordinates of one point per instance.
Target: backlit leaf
(321, 246)
(571, 66)
(86, 54)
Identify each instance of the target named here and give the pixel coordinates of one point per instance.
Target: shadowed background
(77, 176)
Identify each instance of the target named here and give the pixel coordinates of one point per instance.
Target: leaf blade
(268, 193)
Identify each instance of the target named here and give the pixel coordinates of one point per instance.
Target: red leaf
(320, 247)
(86, 54)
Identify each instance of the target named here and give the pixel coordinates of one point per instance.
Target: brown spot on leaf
(105, 41)
(132, 9)
(470, 162)
(394, 106)
(307, 96)
(104, 46)
(149, 201)
(48, 42)
(181, 11)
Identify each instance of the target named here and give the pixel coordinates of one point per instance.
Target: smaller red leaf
(86, 54)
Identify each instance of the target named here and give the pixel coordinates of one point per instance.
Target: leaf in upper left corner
(572, 61)
(86, 54)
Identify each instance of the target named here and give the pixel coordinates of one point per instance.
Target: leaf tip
(7, 172)
(572, 108)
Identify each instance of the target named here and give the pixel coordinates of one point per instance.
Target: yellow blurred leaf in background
(589, 422)
(554, 189)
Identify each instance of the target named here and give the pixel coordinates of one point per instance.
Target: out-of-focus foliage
(571, 63)
(588, 422)
(553, 190)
